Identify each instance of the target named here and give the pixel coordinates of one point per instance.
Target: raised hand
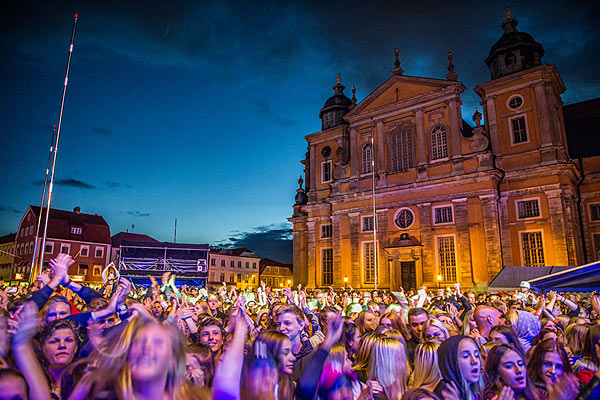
(60, 267)
(566, 387)
(28, 322)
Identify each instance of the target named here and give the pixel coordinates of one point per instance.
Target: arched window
(366, 158)
(439, 143)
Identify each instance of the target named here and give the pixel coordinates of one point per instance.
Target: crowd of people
(63, 340)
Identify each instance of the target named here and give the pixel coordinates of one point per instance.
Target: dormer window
(76, 230)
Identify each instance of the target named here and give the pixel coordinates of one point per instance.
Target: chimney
(77, 210)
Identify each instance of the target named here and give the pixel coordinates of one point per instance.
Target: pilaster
(559, 243)
(427, 242)
(464, 241)
(383, 270)
(337, 251)
(355, 279)
(421, 142)
(380, 147)
(492, 235)
(312, 256)
(505, 232)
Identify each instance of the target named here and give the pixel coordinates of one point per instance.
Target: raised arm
(226, 382)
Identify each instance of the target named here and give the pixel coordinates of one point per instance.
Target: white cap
(525, 284)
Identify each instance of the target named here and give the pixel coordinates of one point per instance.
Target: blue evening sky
(197, 110)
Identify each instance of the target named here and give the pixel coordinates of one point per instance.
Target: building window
(75, 230)
(232, 264)
(514, 102)
(99, 252)
(442, 215)
(231, 278)
(84, 251)
(64, 248)
(327, 266)
(404, 218)
(247, 264)
(402, 158)
(439, 143)
(222, 276)
(253, 278)
(528, 208)
(367, 223)
(596, 238)
(213, 261)
(222, 263)
(49, 248)
(533, 249)
(239, 277)
(369, 262)
(366, 157)
(326, 231)
(595, 212)
(239, 264)
(518, 128)
(31, 230)
(246, 277)
(82, 269)
(212, 276)
(254, 265)
(326, 171)
(447, 258)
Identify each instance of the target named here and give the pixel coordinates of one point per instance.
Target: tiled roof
(240, 252)
(10, 238)
(582, 123)
(94, 227)
(131, 237)
(272, 263)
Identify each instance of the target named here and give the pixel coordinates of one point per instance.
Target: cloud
(114, 184)
(102, 131)
(272, 241)
(9, 209)
(71, 182)
(135, 213)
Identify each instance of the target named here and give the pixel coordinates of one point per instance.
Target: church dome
(515, 51)
(338, 105)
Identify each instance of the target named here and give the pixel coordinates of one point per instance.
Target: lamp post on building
(289, 282)
(345, 281)
(440, 278)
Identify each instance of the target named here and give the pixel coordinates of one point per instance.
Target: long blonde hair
(427, 372)
(111, 357)
(388, 366)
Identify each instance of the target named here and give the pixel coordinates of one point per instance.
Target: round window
(515, 102)
(404, 218)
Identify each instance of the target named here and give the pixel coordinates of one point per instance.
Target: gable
(397, 92)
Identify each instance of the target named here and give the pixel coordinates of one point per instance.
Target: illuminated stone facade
(454, 203)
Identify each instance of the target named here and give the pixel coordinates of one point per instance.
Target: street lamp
(289, 283)
(345, 281)
(440, 278)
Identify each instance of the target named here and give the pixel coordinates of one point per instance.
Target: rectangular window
(528, 208)
(239, 277)
(84, 251)
(442, 215)
(367, 224)
(64, 248)
(75, 230)
(247, 264)
(326, 171)
(327, 266)
(82, 269)
(222, 276)
(597, 246)
(447, 258)
(439, 143)
(326, 231)
(254, 265)
(533, 249)
(213, 261)
(402, 158)
(366, 166)
(276, 270)
(595, 212)
(253, 278)
(231, 278)
(99, 252)
(232, 264)
(369, 262)
(519, 130)
(239, 264)
(49, 248)
(212, 276)
(222, 263)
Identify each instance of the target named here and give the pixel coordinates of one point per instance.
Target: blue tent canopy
(585, 278)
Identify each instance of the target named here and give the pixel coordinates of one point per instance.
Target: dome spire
(397, 70)
(353, 94)
(451, 75)
(509, 24)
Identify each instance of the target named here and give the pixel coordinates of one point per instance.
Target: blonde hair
(365, 346)
(337, 355)
(388, 366)
(427, 372)
(575, 337)
(436, 323)
(111, 358)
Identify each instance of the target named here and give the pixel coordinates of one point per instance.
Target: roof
(239, 252)
(582, 124)
(510, 277)
(581, 279)
(131, 237)
(10, 238)
(267, 262)
(94, 227)
(166, 245)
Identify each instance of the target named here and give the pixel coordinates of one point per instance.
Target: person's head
(468, 322)
(486, 318)
(575, 337)
(213, 303)
(365, 346)
(58, 308)
(525, 287)
(211, 334)
(434, 331)
(460, 363)
(278, 346)
(505, 334)
(259, 378)
(419, 394)
(290, 321)
(60, 342)
(416, 320)
(366, 322)
(350, 337)
(157, 309)
(388, 366)
(199, 364)
(471, 297)
(505, 366)
(13, 385)
(426, 371)
(548, 362)
(325, 315)
(393, 320)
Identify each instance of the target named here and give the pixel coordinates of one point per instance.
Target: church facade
(452, 203)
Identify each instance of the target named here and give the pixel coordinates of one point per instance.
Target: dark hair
(536, 360)
(592, 338)
(211, 321)
(9, 372)
(492, 371)
(203, 355)
(360, 321)
(61, 324)
(348, 336)
(509, 334)
(419, 394)
(415, 312)
(323, 315)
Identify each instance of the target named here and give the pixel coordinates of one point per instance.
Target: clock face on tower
(326, 151)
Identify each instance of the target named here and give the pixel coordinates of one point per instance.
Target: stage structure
(189, 262)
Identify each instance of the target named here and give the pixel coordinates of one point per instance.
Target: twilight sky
(197, 110)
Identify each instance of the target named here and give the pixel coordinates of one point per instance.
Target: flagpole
(60, 116)
(36, 249)
(373, 196)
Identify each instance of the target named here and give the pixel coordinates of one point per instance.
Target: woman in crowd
(505, 334)
(278, 346)
(362, 355)
(59, 342)
(427, 372)
(575, 338)
(393, 320)
(460, 366)
(547, 364)
(506, 373)
(366, 322)
(199, 365)
(526, 325)
(388, 368)
(434, 331)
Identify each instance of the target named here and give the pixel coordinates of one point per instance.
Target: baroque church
(453, 203)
